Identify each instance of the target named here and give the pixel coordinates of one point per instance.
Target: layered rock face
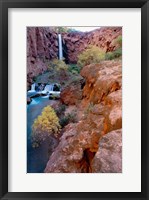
(108, 158)
(94, 144)
(76, 42)
(72, 93)
(42, 46)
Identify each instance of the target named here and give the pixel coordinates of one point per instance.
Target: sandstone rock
(42, 45)
(80, 145)
(101, 80)
(77, 42)
(40, 49)
(76, 148)
(76, 152)
(111, 109)
(108, 158)
(72, 93)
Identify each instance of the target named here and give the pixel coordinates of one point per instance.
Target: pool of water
(37, 158)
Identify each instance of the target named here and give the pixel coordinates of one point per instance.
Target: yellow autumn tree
(92, 54)
(44, 125)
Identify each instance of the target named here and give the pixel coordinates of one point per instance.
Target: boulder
(108, 158)
(101, 79)
(72, 93)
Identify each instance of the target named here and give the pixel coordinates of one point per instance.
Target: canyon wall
(76, 42)
(94, 143)
(42, 46)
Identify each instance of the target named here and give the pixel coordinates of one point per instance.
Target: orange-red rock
(76, 42)
(101, 80)
(108, 158)
(72, 93)
(83, 142)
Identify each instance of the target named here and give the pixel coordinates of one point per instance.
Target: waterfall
(33, 87)
(60, 46)
(48, 88)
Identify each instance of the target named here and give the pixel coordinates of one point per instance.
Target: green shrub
(92, 54)
(68, 118)
(109, 56)
(57, 65)
(113, 55)
(118, 41)
(74, 69)
(64, 121)
(44, 125)
(58, 71)
(60, 111)
(118, 52)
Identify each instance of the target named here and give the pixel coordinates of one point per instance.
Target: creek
(37, 158)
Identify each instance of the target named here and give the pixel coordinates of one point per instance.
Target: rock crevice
(82, 142)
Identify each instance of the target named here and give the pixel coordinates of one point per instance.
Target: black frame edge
(73, 3)
(4, 100)
(144, 99)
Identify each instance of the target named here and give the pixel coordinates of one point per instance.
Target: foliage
(68, 118)
(118, 41)
(74, 69)
(113, 55)
(44, 125)
(34, 78)
(63, 29)
(92, 54)
(58, 71)
(70, 30)
(62, 73)
(57, 65)
(118, 52)
(61, 110)
(54, 96)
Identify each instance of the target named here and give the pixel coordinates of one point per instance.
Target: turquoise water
(37, 158)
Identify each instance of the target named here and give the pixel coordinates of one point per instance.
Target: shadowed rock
(108, 158)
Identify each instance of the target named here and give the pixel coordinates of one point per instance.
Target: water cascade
(33, 87)
(60, 47)
(48, 88)
(41, 91)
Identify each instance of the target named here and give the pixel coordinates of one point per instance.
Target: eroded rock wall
(42, 46)
(76, 42)
(96, 140)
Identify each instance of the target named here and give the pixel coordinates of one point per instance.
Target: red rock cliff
(76, 42)
(94, 144)
(42, 46)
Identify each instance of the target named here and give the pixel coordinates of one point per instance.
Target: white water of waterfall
(60, 46)
(48, 88)
(33, 87)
